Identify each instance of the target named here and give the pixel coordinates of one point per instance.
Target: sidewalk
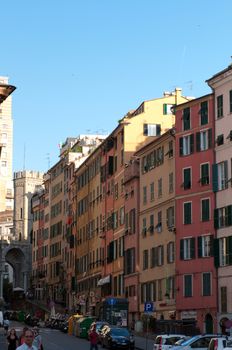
(142, 343)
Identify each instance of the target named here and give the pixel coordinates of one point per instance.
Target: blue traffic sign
(111, 301)
(148, 307)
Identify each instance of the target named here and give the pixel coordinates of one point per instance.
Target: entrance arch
(208, 323)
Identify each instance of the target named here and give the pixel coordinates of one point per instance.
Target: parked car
(222, 343)
(64, 327)
(181, 340)
(166, 341)
(199, 342)
(115, 337)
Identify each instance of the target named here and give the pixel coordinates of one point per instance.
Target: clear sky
(80, 65)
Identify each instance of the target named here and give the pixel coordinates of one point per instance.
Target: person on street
(93, 337)
(28, 341)
(38, 339)
(22, 336)
(12, 340)
(6, 324)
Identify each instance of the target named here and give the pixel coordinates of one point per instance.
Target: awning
(104, 280)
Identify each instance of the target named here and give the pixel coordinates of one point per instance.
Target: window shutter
(165, 108)
(226, 173)
(191, 143)
(192, 248)
(111, 165)
(215, 177)
(145, 129)
(210, 138)
(216, 252)
(168, 253)
(156, 263)
(199, 244)
(181, 146)
(229, 215)
(211, 245)
(181, 249)
(216, 219)
(162, 255)
(158, 129)
(229, 244)
(155, 160)
(198, 141)
(187, 178)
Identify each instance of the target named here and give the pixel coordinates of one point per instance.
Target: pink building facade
(196, 277)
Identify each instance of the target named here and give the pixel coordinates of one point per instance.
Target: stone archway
(16, 258)
(208, 324)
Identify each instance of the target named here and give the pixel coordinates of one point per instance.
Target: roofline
(194, 100)
(219, 73)
(170, 132)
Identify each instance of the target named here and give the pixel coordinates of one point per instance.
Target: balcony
(5, 91)
(131, 171)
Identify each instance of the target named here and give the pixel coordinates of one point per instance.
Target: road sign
(148, 307)
(111, 301)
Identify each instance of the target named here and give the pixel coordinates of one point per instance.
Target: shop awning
(104, 280)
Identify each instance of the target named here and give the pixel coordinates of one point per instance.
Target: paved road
(56, 340)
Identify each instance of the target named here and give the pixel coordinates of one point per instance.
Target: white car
(223, 343)
(199, 342)
(166, 341)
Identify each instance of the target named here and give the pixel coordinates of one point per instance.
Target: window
(151, 129)
(203, 140)
(222, 175)
(220, 106)
(144, 194)
(145, 259)
(159, 222)
(224, 299)
(204, 174)
(152, 191)
(144, 229)
(205, 210)
(170, 149)
(159, 290)
(151, 228)
(170, 217)
(230, 108)
(153, 257)
(187, 178)
(187, 248)
(206, 283)
(160, 255)
(160, 187)
(186, 119)
(171, 183)
(129, 261)
(170, 252)
(225, 253)
(122, 216)
(187, 213)
(132, 221)
(205, 244)
(204, 113)
(220, 140)
(167, 109)
(188, 280)
(186, 145)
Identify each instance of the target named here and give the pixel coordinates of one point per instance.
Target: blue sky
(79, 66)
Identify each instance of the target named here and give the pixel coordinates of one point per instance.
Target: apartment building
(196, 277)
(221, 84)
(157, 225)
(131, 238)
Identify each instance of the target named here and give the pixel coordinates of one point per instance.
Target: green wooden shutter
(187, 213)
(216, 252)
(192, 248)
(215, 177)
(181, 249)
(199, 246)
(191, 143)
(226, 173)
(229, 215)
(229, 250)
(198, 141)
(187, 178)
(165, 108)
(210, 138)
(216, 218)
(181, 146)
(211, 245)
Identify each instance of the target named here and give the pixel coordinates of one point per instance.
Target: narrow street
(55, 340)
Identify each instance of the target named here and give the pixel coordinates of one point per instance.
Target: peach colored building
(157, 225)
(221, 84)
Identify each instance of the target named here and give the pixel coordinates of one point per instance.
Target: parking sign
(148, 307)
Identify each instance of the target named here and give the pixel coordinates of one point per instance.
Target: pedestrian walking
(6, 324)
(93, 337)
(12, 339)
(22, 336)
(28, 341)
(37, 339)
